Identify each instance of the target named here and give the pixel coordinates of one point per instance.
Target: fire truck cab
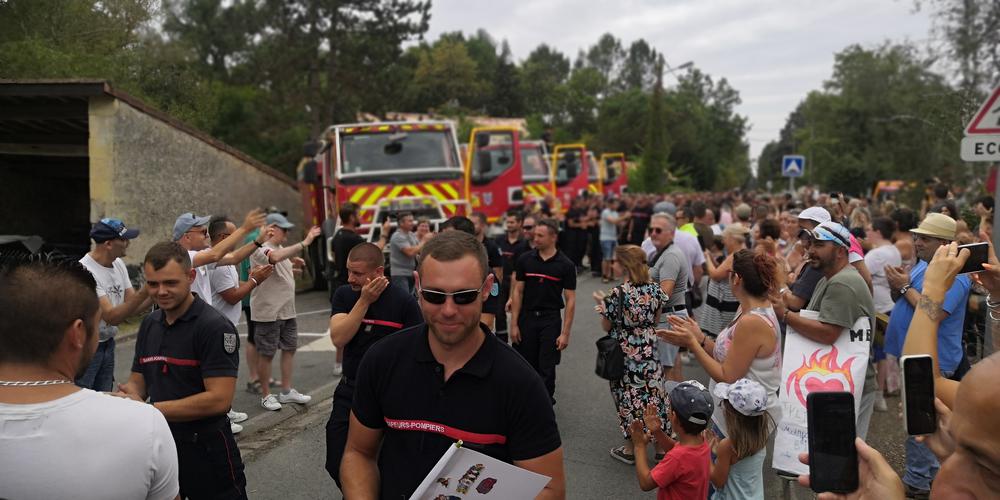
(614, 174)
(595, 176)
(385, 168)
(536, 172)
(569, 172)
(494, 171)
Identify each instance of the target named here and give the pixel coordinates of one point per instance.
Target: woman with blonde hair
(629, 313)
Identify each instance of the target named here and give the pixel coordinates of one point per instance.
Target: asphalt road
(285, 450)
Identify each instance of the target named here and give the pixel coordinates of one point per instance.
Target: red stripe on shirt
(380, 322)
(543, 276)
(170, 361)
(428, 426)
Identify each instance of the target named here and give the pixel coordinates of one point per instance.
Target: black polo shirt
(343, 242)
(493, 255)
(175, 359)
(544, 280)
(394, 310)
(511, 252)
(640, 221)
(496, 404)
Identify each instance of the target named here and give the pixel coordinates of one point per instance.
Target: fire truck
(494, 171)
(568, 162)
(614, 174)
(595, 177)
(536, 171)
(385, 168)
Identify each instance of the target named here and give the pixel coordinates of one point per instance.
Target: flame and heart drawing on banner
(821, 374)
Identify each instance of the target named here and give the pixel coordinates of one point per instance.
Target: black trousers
(336, 427)
(596, 253)
(538, 344)
(501, 326)
(209, 462)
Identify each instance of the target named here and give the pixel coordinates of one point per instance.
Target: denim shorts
(608, 249)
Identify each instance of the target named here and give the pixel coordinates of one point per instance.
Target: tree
(638, 71)
(542, 74)
(606, 57)
(654, 168)
(506, 99)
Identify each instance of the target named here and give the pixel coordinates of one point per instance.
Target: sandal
(254, 387)
(620, 455)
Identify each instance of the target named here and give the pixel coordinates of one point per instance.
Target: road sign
(986, 121)
(981, 148)
(793, 165)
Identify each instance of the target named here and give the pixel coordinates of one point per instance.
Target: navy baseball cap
(111, 229)
(691, 401)
(185, 222)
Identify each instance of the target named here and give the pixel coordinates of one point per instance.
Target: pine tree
(653, 171)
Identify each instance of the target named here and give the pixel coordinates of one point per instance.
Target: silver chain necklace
(32, 383)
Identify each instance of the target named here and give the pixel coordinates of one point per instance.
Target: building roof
(52, 115)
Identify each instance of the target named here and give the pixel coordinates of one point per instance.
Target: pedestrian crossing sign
(793, 165)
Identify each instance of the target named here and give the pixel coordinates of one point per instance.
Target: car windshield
(614, 167)
(534, 164)
(380, 152)
(568, 166)
(493, 155)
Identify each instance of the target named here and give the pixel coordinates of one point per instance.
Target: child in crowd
(684, 471)
(739, 463)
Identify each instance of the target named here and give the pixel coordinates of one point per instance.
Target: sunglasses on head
(461, 297)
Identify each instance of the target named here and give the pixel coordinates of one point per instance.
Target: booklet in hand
(463, 473)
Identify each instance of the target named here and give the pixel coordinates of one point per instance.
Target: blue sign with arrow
(793, 165)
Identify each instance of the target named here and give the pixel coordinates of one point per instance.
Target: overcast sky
(773, 52)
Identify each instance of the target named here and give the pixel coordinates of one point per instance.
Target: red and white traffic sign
(986, 121)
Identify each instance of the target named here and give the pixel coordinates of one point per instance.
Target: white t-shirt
(87, 445)
(876, 260)
(202, 283)
(111, 283)
(223, 278)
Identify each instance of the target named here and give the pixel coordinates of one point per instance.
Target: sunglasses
(656, 230)
(204, 232)
(527, 227)
(461, 297)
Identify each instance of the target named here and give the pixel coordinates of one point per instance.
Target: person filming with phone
(934, 232)
(967, 439)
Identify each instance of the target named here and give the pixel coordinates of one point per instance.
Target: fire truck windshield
(533, 164)
(494, 155)
(380, 153)
(613, 168)
(591, 168)
(568, 167)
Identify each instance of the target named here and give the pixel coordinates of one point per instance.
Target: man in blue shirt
(935, 230)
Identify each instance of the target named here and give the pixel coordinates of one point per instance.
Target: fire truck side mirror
(308, 174)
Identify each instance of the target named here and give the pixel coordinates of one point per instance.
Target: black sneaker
(916, 493)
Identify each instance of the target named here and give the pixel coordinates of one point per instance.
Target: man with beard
(420, 390)
(186, 361)
(512, 244)
(59, 440)
(363, 312)
(841, 297)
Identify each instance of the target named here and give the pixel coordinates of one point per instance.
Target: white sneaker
(880, 402)
(293, 396)
(270, 403)
(338, 368)
(236, 416)
(236, 428)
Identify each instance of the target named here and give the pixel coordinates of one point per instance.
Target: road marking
(301, 334)
(323, 344)
(297, 314)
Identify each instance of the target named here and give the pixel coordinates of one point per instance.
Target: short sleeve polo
(395, 310)
(496, 404)
(544, 280)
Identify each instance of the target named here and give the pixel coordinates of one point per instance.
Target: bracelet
(302, 244)
(258, 244)
(255, 283)
(990, 304)
(992, 316)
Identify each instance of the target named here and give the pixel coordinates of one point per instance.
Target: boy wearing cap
(684, 471)
(117, 298)
(935, 230)
(272, 309)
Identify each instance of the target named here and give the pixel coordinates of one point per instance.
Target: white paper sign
(462, 474)
(809, 366)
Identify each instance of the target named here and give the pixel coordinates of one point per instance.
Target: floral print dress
(632, 309)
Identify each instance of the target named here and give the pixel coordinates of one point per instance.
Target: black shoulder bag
(610, 357)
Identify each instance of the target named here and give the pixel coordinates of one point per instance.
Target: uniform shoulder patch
(230, 341)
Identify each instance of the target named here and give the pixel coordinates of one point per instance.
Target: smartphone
(978, 255)
(918, 395)
(833, 458)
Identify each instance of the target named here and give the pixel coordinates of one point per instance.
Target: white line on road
(307, 313)
(302, 334)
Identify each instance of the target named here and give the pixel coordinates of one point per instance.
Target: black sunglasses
(656, 230)
(461, 297)
(528, 227)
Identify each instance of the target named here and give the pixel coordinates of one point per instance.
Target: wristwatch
(903, 289)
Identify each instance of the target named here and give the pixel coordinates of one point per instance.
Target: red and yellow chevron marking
(537, 190)
(381, 129)
(445, 194)
(594, 188)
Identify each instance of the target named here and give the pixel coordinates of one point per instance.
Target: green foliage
(654, 167)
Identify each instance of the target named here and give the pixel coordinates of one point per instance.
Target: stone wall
(146, 172)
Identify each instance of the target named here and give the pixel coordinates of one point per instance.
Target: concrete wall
(147, 172)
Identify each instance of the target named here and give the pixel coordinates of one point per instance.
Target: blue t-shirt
(950, 330)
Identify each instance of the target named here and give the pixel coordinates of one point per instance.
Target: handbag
(610, 357)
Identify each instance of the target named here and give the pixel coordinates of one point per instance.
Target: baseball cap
(832, 231)
(111, 229)
(745, 396)
(743, 211)
(185, 222)
(815, 214)
(278, 220)
(690, 401)
(937, 225)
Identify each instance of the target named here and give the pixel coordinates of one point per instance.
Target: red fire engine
(614, 174)
(536, 171)
(569, 172)
(493, 171)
